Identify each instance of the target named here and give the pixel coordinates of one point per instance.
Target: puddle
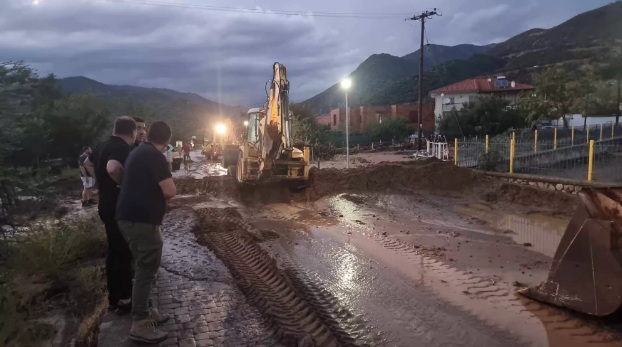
(542, 232)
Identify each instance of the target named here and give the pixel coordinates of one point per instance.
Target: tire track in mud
(300, 312)
(491, 301)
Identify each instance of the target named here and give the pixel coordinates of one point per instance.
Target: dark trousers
(119, 269)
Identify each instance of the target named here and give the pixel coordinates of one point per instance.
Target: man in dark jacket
(106, 165)
(147, 184)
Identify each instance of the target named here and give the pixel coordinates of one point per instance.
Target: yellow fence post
(555, 138)
(486, 144)
(535, 141)
(601, 132)
(512, 143)
(456, 151)
(590, 162)
(572, 136)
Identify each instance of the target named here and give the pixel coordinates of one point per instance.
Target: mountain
(380, 71)
(186, 110)
(593, 37)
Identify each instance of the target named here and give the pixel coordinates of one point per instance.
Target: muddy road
(356, 263)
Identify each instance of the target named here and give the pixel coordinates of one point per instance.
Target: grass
(53, 269)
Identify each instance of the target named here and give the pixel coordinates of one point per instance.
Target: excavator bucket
(586, 274)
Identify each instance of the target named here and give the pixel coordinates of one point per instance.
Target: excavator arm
(275, 127)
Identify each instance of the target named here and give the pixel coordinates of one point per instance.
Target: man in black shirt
(141, 131)
(147, 184)
(106, 164)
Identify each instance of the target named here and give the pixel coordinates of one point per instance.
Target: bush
(50, 266)
(47, 249)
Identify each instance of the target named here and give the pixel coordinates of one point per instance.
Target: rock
(559, 187)
(527, 244)
(384, 233)
(454, 234)
(517, 284)
(340, 216)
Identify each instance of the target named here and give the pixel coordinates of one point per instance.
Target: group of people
(134, 181)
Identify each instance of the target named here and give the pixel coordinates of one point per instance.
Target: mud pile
(533, 197)
(429, 175)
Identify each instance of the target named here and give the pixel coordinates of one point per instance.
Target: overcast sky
(228, 55)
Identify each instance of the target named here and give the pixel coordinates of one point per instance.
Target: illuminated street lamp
(245, 123)
(346, 84)
(221, 129)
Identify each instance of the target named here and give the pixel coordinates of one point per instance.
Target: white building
(454, 96)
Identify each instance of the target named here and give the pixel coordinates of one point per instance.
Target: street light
(346, 84)
(245, 123)
(221, 129)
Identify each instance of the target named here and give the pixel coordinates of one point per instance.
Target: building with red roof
(454, 96)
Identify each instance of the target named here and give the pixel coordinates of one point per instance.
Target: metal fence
(593, 154)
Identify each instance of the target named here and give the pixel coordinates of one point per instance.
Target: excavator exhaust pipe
(586, 275)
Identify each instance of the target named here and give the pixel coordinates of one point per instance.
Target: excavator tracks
(300, 313)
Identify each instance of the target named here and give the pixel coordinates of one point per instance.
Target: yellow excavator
(266, 152)
(586, 274)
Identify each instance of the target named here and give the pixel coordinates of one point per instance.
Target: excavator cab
(586, 274)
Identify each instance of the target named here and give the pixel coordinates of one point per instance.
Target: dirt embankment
(563, 203)
(431, 176)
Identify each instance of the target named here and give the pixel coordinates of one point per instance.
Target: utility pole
(422, 18)
(618, 102)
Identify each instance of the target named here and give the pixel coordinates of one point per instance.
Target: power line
(259, 11)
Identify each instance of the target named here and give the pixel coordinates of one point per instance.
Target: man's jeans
(145, 241)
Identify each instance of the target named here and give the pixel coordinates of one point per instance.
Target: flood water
(543, 233)
(406, 296)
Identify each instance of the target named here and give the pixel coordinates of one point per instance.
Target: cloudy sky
(224, 52)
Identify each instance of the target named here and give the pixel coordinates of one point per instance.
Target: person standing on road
(106, 165)
(141, 131)
(186, 150)
(168, 154)
(87, 180)
(147, 184)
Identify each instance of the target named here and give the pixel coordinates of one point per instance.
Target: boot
(145, 331)
(157, 316)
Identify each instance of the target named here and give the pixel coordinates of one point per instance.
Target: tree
(78, 120)
(305, 129)
(486, 116)
(614, 71)
(390, 129)
(559, 93)
(532, 107)
(604, 100)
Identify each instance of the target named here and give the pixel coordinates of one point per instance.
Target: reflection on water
(542, 232)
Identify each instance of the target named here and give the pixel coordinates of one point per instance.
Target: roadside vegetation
(52, 285)
(51, 268)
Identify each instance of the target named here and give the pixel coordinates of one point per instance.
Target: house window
(379, 117)
(334, 120)
(449, 100)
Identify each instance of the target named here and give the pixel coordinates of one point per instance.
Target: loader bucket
(586, 274)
